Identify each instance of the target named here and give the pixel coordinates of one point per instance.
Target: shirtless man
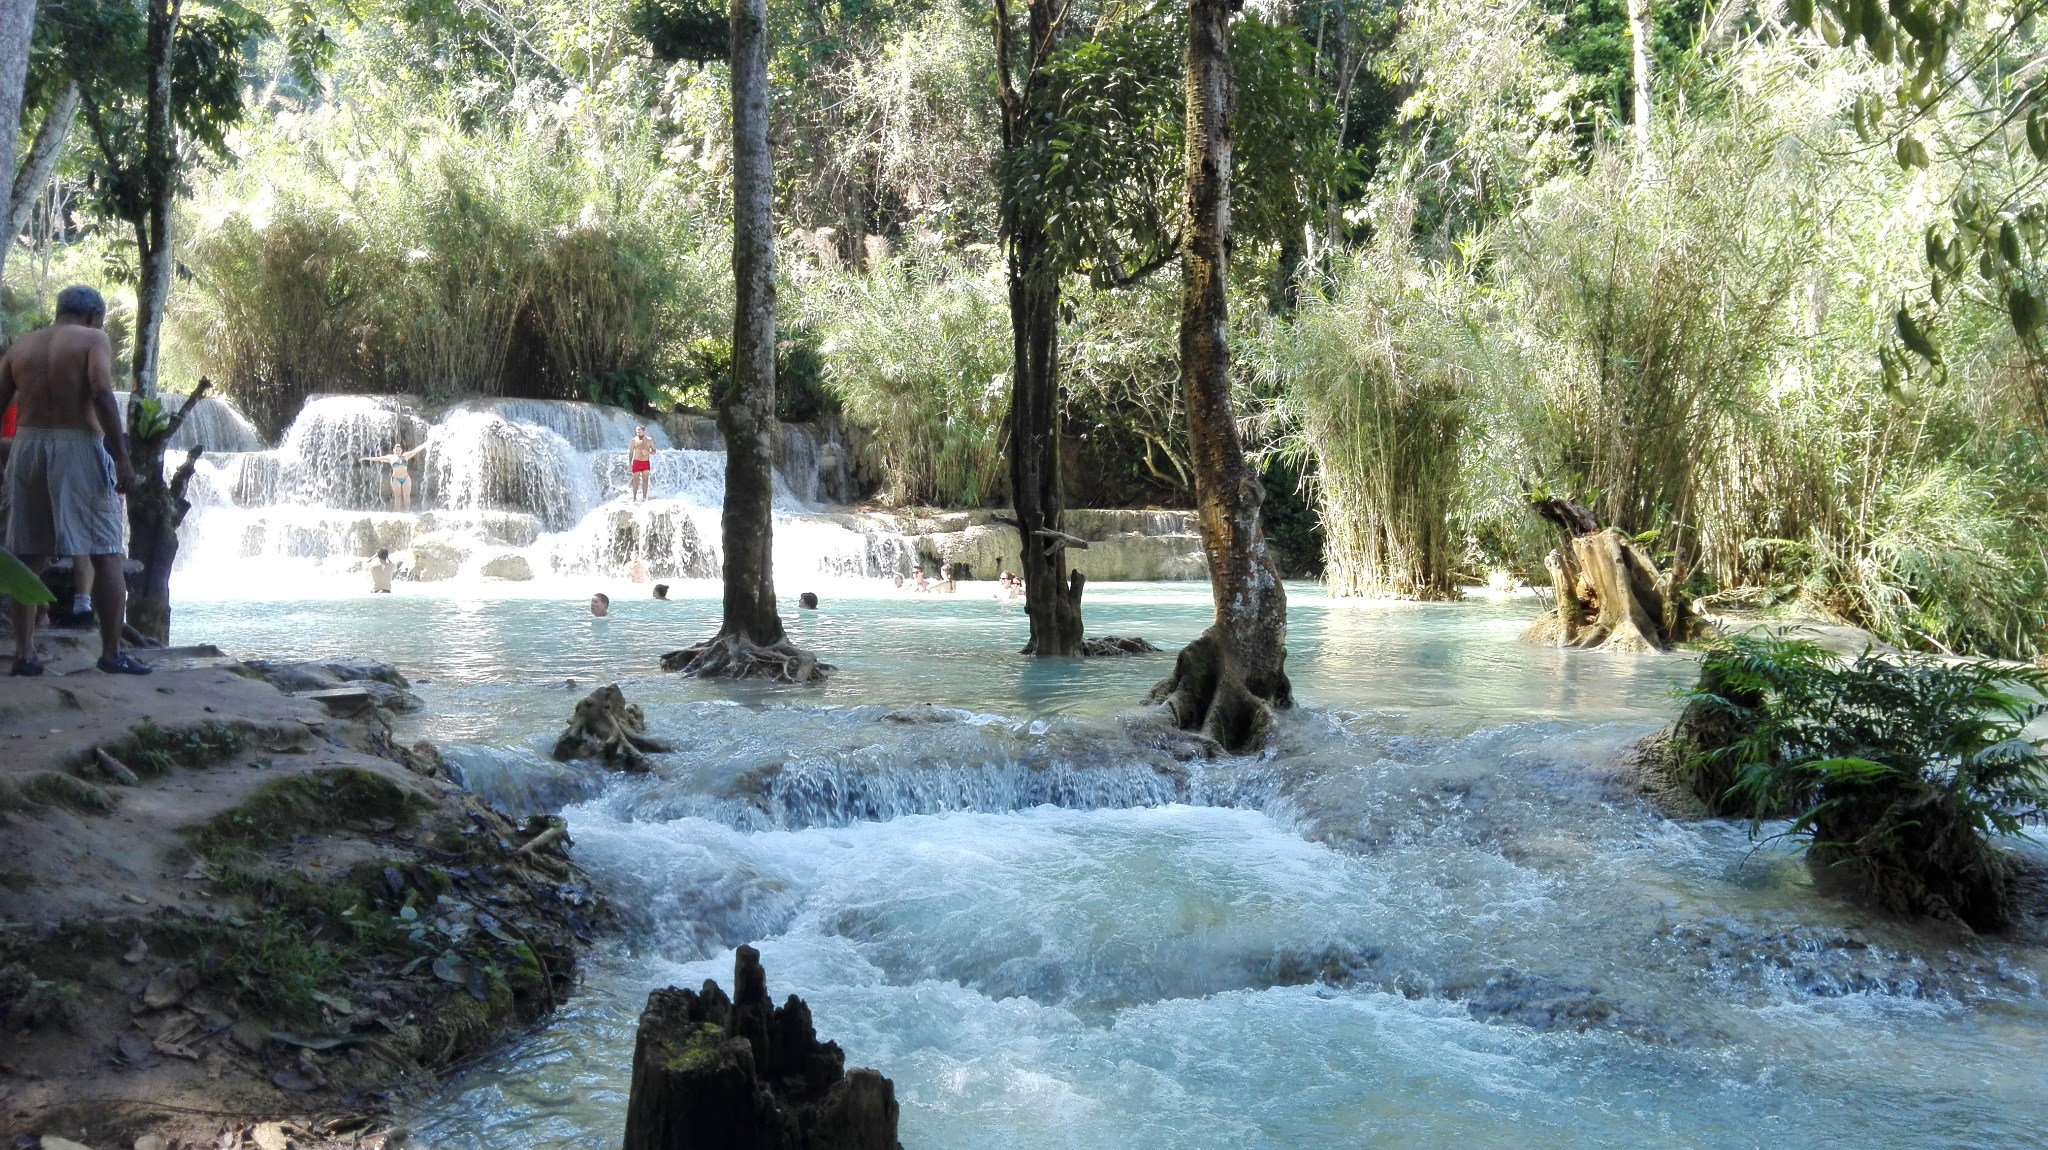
(401, 474)
(69, 468)
(641, 453)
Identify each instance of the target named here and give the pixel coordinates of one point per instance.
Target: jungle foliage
(1898, 771)
(1792, 344)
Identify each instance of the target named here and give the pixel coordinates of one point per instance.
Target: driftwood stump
(608, 729)
(741, 1073)
(1610, 595)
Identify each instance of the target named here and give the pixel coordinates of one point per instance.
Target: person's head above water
(81, 304)
(808, 601)
(600, 604)
(661, 590)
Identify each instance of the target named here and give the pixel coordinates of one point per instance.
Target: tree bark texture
(156, 509)
(17, 31)
(750, 642)
(1609, 594)
(159, 145)
(36, 168)
(1052, 597)
(740, 1073)
(1227, 682)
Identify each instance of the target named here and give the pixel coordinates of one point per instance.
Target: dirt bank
(230, 916)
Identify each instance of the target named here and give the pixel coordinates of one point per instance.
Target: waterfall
(521, 489)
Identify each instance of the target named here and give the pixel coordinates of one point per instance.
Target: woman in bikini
(401, 474)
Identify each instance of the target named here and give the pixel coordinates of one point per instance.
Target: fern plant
(1899, 770)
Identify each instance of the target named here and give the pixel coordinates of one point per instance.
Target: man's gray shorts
(60, 495)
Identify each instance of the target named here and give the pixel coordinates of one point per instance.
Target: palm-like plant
(1901, 770)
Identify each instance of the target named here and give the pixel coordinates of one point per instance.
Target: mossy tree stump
(741, 1073)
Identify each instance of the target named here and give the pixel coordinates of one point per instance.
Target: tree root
(728, 656)
(1112, 646)
(608, 729)
(1211, 693)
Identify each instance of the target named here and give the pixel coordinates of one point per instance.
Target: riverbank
(231, 912)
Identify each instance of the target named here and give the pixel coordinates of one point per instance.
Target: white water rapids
(1433, 918)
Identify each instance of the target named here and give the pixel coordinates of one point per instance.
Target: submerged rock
(745, 1074)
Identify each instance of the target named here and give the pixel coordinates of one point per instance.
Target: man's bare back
(62, 377)
(68, 468)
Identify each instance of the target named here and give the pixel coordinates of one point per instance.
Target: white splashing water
(505, 488)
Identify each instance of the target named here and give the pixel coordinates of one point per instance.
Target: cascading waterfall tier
(521, 489)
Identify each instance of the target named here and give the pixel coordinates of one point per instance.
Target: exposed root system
(728, 656)
(1112, 646)
(1210, 692)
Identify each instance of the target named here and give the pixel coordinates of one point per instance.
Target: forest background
(1474, 263)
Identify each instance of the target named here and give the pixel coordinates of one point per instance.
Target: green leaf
(2037, 135)
(19, 583)
(1913, 337)
(1911, 152)
(2025, 308)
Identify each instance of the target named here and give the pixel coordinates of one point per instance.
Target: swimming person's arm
(99, 374)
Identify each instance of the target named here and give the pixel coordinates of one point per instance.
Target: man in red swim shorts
(642, 455)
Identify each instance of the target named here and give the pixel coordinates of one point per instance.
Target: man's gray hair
(81, 301)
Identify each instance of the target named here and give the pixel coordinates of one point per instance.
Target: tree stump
(1609, 594)
(608, 729)
(740, 1073)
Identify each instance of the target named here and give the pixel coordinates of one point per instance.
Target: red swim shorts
(643, 465)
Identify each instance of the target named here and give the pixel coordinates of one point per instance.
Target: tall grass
(380, 250)
(917, 350)
(1377, 368)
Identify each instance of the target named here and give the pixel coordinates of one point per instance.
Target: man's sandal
(124, 664)
(27, 668)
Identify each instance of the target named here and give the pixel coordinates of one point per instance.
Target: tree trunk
(41, 162)
(750, 642)
(1052, 596)
(160, 176)
(155, 507)
(1639, 59)
(1610, 595)
(17, 31)
(1228, 682)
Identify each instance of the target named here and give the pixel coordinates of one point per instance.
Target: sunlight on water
(1433, 920)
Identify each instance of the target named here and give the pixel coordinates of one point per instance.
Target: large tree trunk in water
(1609, 594)
(154, 510)
(1052, 597)
(1227, 682)
(41, 162)
(750, 642)
(17, 30)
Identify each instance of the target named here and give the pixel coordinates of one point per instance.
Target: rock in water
(744, 1074)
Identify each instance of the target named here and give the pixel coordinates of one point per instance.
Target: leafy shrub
(1897, 770)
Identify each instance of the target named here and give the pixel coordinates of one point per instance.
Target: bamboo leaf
(1916, 340)
(19, 583)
